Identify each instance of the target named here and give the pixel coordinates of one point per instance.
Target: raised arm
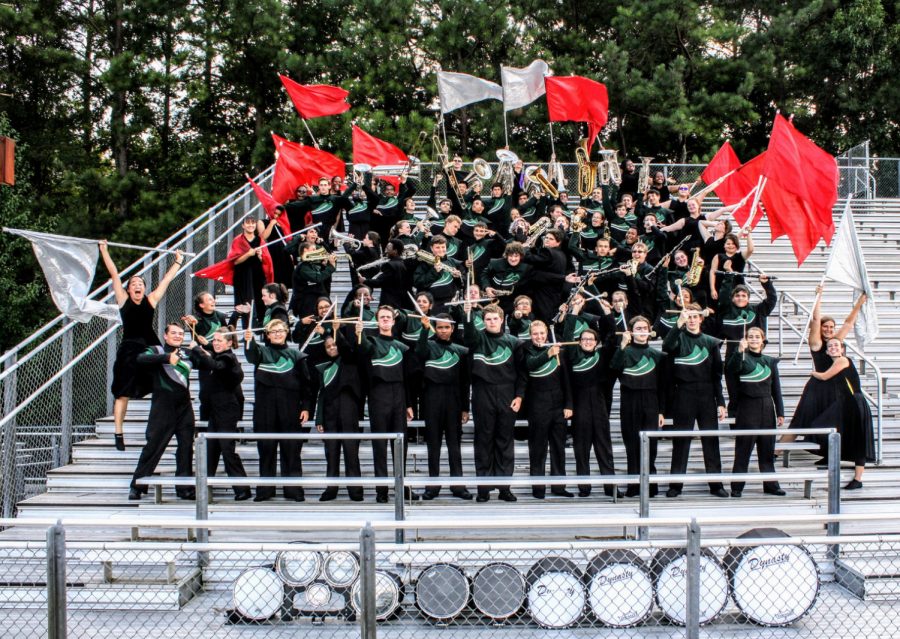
(851, 318)
(156, 294)
(815, 324)
(118, 289)
(748, 246)
(836, 367)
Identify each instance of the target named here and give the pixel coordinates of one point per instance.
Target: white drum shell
(258, 594)
(511, 596)
(670, 582)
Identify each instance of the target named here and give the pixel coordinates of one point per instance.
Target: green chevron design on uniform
(393, 357)
(213, 327)
(444, 279)
(760, 373)
(358, 208)
(451, 249)
(546, 369)
(496, 206)
(509, 279)
(697, 356)
(477, 252)
(643, 367)
(448, 359)
(589, 233)
(500, 357)
(744, 317)
(586, 364)
(392, 202)
(324, 207)
(620, 227)
(282, 365)
(478, 322)
(330, 373)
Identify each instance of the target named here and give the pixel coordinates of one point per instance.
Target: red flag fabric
(316, 100)
(268, 203)
(578, 99)
(367, 149)
(224, 271)
(724, 162)
(300, 164)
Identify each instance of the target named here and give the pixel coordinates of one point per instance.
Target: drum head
(670, 581)
(498, 591)
(442, 591)
(620, 590)
(340, 569)
(258, 594)
(775, 585)
(556, 595)
(298, 567)
(387, 594)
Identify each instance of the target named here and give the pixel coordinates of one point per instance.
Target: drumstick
(553, 335)
(549, 344)
(651, 333)
(359, 334)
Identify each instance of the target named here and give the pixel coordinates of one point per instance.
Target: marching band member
(758, 405)
(446, 399)
(204, 324)
(311, 332)
(253, 268)
(393, 278)
(275, 298)
(443, 279)
(310, 279)
(733, 259)
(519, 321)
(697, 376)
(505, 273)
(641, 370)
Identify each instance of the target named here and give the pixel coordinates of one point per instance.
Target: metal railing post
(8, 438)
(399, 464)
(834, 489)
(692, 605)
(66, 399)
(56, 582)
(367, 582)
(645, 484)
(781, 324)
(201, 492)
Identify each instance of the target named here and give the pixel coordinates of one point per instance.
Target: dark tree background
(133, 116)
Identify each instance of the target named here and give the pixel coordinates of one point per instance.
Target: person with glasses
(281, 405)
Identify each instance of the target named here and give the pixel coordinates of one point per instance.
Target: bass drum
(620, 590)
(773, 585)
(498, 591)
(442, 591)
(556, 595)
(258, 594)
(669, 570)
(299, 568)
(388, 593)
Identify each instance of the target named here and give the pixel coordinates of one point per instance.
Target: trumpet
(587, 170)
(343, 239)
(506, 173)
(644, 175)
(537, 176)
(536, 230)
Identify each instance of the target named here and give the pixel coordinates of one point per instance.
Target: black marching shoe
(120, 441)
(381, 498)
(188, 495)
(584, 492)
(462, 494)
(562, 493)
(329, 494)
(853, 484)
(135, 494)
(632, 491)
(506, 495)
(537, 494)
(356, 496)
(779, 492)
(673, 492)
(719, 492)
(483, 497)
(409, 495)
(243, 495)
(263, 496)
(619, 493)
(429, 494)
(737, 494)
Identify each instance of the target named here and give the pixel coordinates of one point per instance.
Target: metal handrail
(879, 392)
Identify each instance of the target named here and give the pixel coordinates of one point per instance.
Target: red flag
(268, 203)
(724, 162)
(300, 164)
(579, 99)
(367, 149)
(224, 271)
(316, 100)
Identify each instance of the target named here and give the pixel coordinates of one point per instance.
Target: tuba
(587, 170)
(481, 170)
(612, 163)
(538, 177)
(506, 172)
(644, 175)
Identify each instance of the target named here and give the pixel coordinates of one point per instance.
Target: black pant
(733, 386)
(225, 411)
(443, 414)
(343, 418)
(546, 425)
(387, 414)
(695, 402)
(753, 413)
(169, 415)
(639, 411)
(277, 410)
(590, 425)
(494, 424)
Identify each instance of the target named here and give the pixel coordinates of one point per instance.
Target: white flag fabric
(523, 86)
(459, 89)
(68, 264)
(847, 265)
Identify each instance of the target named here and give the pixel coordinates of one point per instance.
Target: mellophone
(772, 584)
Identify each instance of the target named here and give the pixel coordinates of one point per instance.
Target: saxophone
(692, 277)
(536, 230)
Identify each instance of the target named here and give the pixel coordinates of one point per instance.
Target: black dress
(249, 279)
(817, 397)
(849, 412)
(129, 380)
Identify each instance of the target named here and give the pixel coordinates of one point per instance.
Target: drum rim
(644, 616)
(770, 624)
(333, 583)
(468, 582)
(296, 583)
(583, 612)
(395, 579)
(234, 602)
(524, 590)
(708, 555)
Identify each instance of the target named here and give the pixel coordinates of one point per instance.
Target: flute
(458, 302)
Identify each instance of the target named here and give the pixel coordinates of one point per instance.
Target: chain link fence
(761, 583)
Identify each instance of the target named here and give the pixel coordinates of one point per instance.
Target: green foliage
(134, 117)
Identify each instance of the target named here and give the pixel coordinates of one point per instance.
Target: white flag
(68, 264)
(523, 86)
(847, 265)
(459, 89)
